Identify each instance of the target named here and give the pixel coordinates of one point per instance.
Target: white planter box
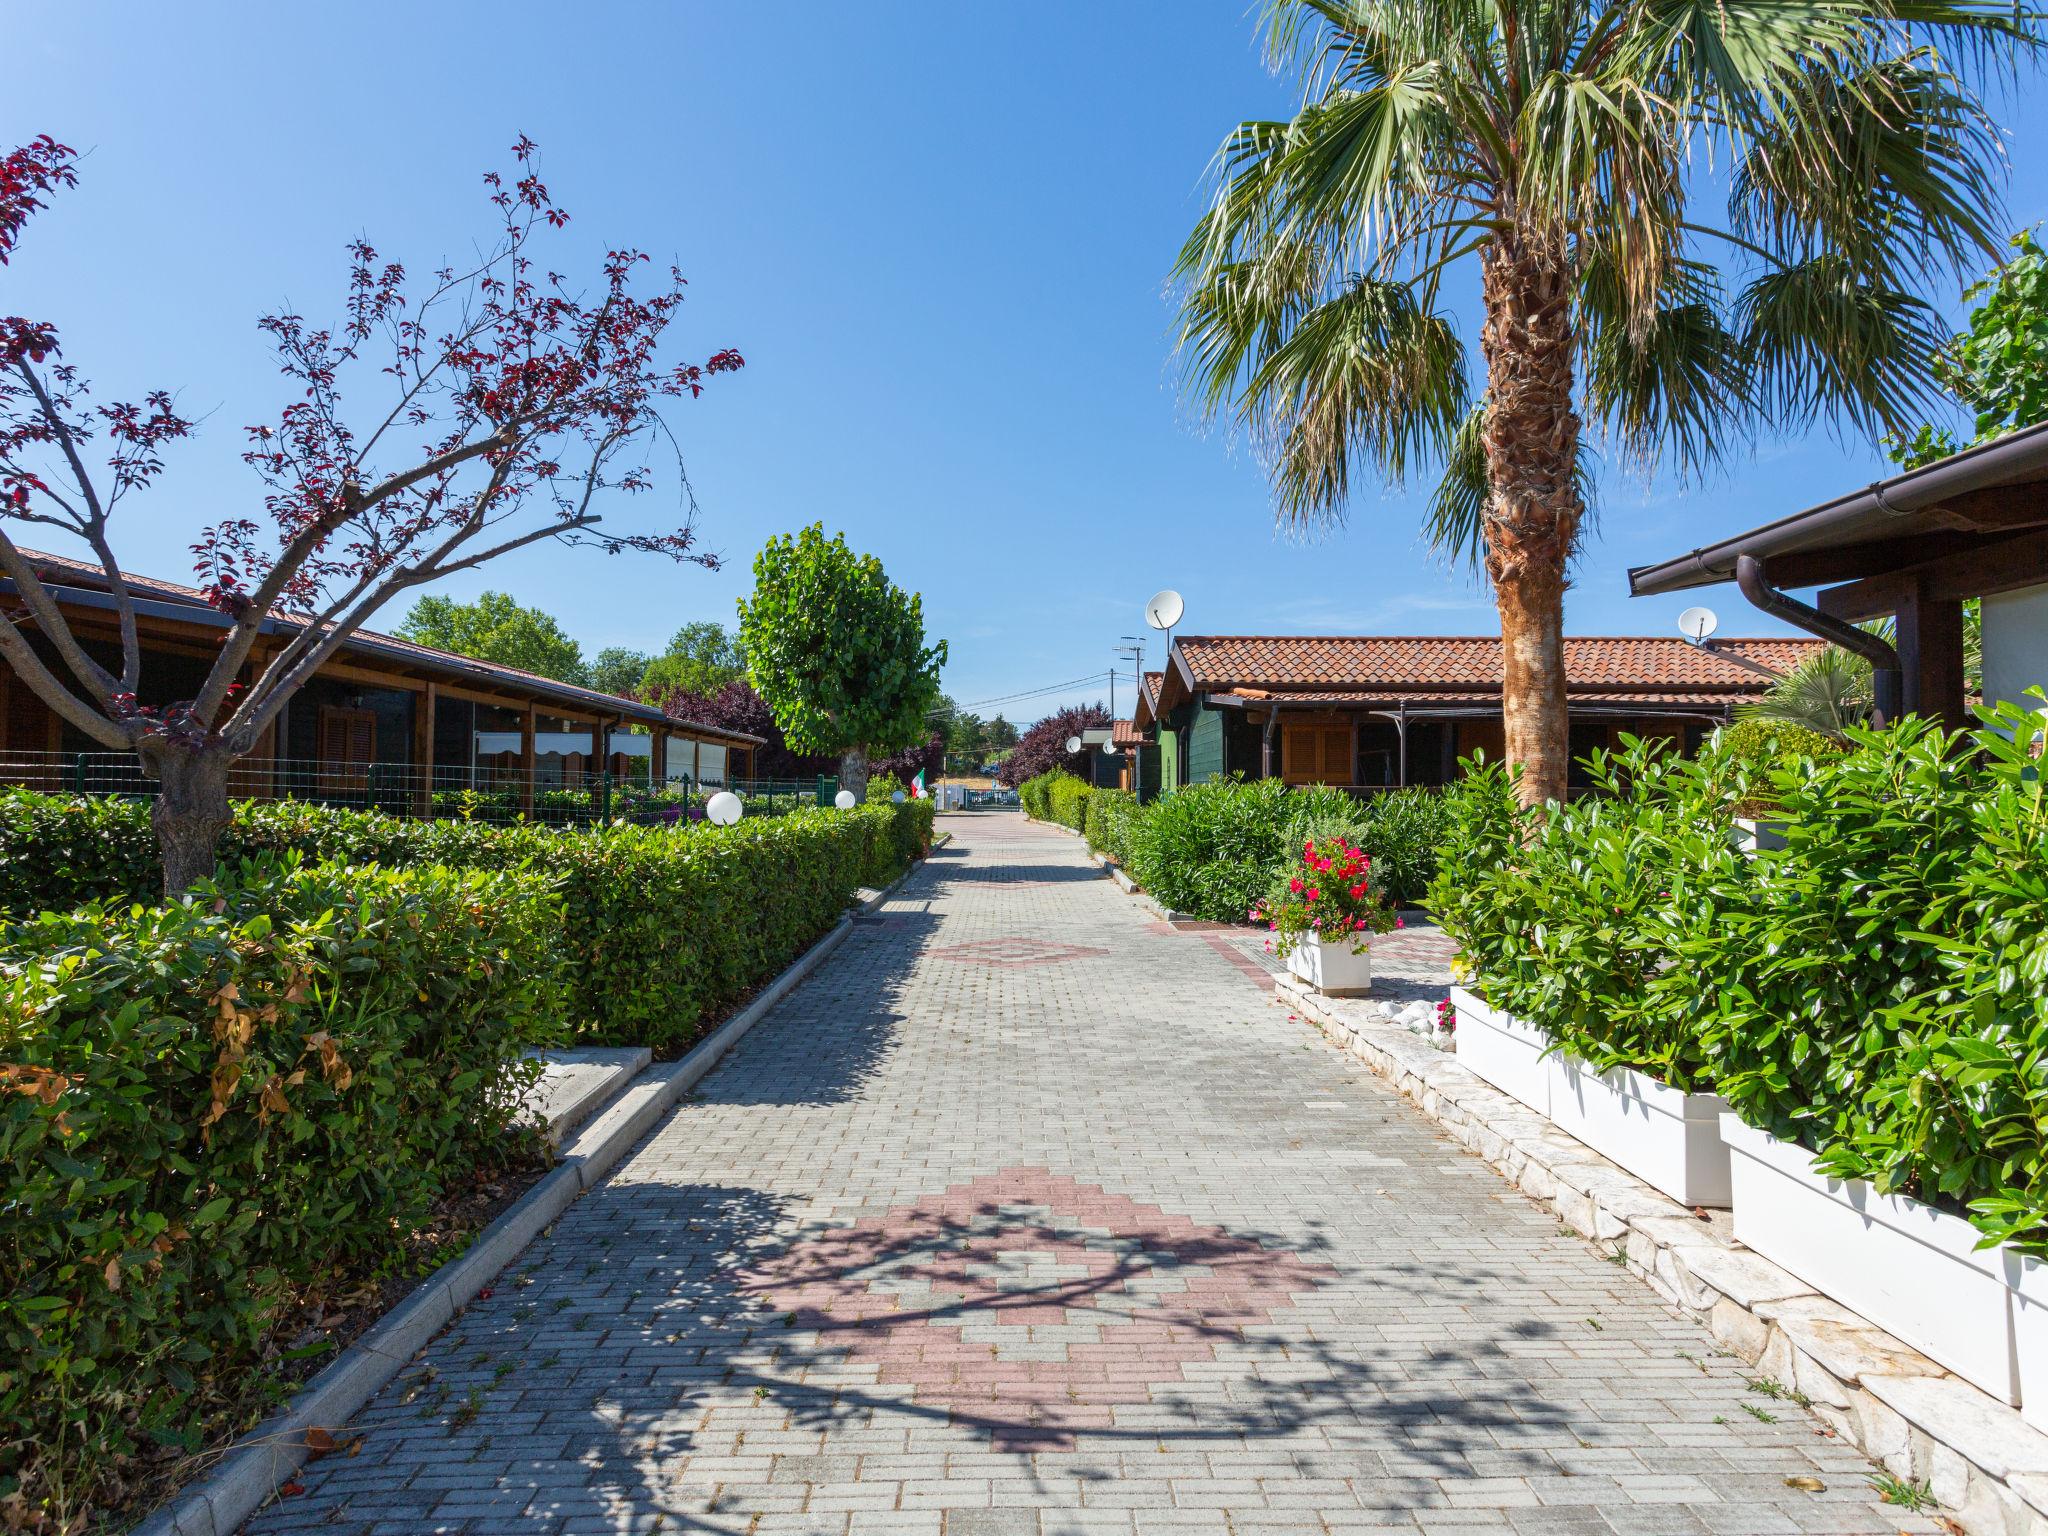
(1332, 969)
(1670, 1140)
(1755, 834)
(1503, 1051)
(2029, 1280)
(1909, 1268)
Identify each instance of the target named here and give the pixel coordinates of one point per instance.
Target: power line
(1017, 698)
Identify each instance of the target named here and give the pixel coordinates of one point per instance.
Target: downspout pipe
(1883, 658)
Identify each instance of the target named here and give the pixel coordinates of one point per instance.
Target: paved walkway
(1028, 1214)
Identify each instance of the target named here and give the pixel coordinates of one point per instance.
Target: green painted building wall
(1169, 761)
(1205, 746)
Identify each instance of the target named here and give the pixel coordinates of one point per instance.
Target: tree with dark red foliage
(928, 759)
(736, 707)
(1045, 746)
(510, 405)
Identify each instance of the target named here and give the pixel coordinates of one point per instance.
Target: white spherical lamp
(724, 808)
(844, 800)
(897, 798)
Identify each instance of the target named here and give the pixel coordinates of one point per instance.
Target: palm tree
(1827, 693)
(1558, 149)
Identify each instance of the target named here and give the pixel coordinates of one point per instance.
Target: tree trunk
(190, 813)
(853, 772)
(1531, 439)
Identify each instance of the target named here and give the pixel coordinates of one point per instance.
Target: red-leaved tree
(506, 406)
(1045, 746)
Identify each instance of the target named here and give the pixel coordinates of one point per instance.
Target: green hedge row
(1215, 850)
(1877, 989)
(662, 926)
(214, 1107)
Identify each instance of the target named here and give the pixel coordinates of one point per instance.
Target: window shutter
(348, 745)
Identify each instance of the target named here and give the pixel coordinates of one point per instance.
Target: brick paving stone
(1029, 1215)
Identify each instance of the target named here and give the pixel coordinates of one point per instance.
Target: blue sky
(938, 233)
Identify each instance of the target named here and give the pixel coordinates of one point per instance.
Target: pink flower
(1399, 924)
(1313, 893)
(1294, 884)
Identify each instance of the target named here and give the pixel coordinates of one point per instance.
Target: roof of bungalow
(1652, 672)
(83, 583)
(1148, 700)
(1124, 733)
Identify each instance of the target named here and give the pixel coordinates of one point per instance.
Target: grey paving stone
(1029, 1215)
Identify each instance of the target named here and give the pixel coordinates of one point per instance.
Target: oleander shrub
(1211, 850)
(662, 926)
(1111, 813)
(217, 1106)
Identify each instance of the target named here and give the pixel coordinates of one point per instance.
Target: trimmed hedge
(1877, 989)
(1056, 795)
(221, 1105)
(1111, 815)
(662, 926)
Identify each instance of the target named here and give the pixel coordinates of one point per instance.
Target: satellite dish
(1697, 623)
(1164, 610)
(1109, 749)
(724, 808)
(1073, 744)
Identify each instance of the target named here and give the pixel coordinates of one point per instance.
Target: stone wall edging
(1987, 1468)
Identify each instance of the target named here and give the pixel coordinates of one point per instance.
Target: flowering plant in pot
(1331, 907)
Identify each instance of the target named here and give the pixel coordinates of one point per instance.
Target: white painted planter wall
(1909, 1268)
(1332, 969)
(1502, 1050)
(1666, 1138)
(2029, 1281)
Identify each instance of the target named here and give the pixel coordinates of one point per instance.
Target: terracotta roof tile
(1441, 667)
(1125, 734)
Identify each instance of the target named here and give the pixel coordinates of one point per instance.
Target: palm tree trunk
(1532, 516)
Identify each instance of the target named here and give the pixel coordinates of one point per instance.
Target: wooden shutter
(348, 745)
(1315, 754)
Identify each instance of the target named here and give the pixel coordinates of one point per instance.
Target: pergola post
(1930, 646)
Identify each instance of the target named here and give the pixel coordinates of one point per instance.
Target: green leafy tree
(1559, 154)
(839, 652)
(619, 669)
(702, 657)
(1997, 370)
(495, 628)
(998, 736)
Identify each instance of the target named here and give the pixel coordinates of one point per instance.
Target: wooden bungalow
(1373, 712)
(385, 722)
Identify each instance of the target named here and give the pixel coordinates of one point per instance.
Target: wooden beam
(526, 764)
(1930, 645)
(1995, 507)
(1984, 569)
(423, 748)
(1847, 562)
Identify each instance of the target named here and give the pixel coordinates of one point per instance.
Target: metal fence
(547, 796)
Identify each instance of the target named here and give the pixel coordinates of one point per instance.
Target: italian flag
(917, 790)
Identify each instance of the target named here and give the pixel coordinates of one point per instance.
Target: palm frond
(1367, 377)
(1821, 341)
(1827, 692)
(1671, 385)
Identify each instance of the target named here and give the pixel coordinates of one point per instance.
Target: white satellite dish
(1164, 610)
(1073, 744)
(1697, 623)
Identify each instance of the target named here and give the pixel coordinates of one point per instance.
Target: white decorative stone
(1952, 1412)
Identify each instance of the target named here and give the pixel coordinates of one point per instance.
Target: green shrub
(1067, 801)
(663, 926)
(1567, 919)
(1038, 795)
(1111, 813)
(221, 1103)
(1877, 989)
(1767, 745)
(1211, 850)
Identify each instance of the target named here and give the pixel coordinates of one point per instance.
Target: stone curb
(250, 1473)
(1985, 1465)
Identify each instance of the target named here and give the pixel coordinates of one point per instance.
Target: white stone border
(1985, 1465)
(250, 1472)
